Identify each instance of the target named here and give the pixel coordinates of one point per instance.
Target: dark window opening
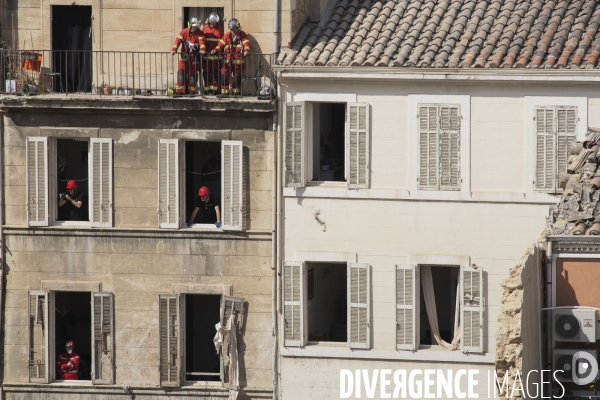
(72, 164)
(72, 42)
(202, 168)
(202, 14)
(327, 302)
(329, 145)
(202, 313)
(445, 284)
(73, 321)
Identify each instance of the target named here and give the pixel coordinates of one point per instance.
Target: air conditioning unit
(575, 325)
(563, 361)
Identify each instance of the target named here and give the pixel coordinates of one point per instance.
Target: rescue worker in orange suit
(213, 33)
(68, 363)
(192, 42)
(236, 46)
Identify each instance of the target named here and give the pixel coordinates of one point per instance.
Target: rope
(200, 173)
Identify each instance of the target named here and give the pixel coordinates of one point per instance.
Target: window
(555, 130)
(327, 142)
(186, 166)
(202, 13)
(320, 319)
(54, 318)
(437, 314)
(187, 328)
(51, 162)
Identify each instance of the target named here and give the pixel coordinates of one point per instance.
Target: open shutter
(169, 328)
(471, 309)
(428, 147)
(357, 142)
(293, 304)
(228, 306)
(232, 177)
(359, 313)
(37, 181)
(103, 346)
(545, 137)
(101, 183)
(38, 337)
(566, 129)
(168, 183)
(407, 307)
(294, 144)
(449, 147)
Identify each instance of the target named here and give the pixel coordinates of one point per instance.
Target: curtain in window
(429, 296)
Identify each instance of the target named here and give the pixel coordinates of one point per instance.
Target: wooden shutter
(359, 314)
(293, 304)
(293, 141)
(449, 147)
(169, 329)
(407, 307)
(228, 305)
(232, 178)
(168, 183)
(566, 129)
(38, 336)
(37, 181)
(545, 137)
(103, 346)
(471, 309)
(428, 147)
(357, 145)
(101, 183)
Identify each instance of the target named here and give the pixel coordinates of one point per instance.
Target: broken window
(202, 313)
(202, 14)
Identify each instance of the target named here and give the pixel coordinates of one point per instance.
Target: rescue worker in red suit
(236, 46)
(192, 42)
(213, 33)
(68, 363)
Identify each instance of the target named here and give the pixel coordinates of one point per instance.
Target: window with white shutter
(294, 144)
(38, 336)
(103, 346)
(232, 179)
(101, 183)
(471, 309)
(169, 335)
(37, 181)
(293, 304)
(359, 313)
(229, 357)
(439, 146)
(168, 183)
(357, 142)
(407, 307)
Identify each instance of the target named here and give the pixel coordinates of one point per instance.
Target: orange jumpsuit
(189, 59)
(66, 371)
(234, 46)
(210, 64)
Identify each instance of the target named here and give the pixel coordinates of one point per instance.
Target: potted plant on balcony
(106, 88)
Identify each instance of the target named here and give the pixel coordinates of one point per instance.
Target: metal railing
(123, 73)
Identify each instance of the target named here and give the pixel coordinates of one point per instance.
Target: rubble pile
(578, 211)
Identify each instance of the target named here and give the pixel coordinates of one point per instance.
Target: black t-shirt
(206, 211)
(73, 213)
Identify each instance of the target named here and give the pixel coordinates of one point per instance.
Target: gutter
(274, 242)
(2, 247)
(279, 166)
(276, 26)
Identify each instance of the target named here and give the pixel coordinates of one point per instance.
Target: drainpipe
(276, 26)
(279, 163)
(274, 241)
(2, 247)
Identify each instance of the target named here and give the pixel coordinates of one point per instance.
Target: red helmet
(69, 343)
(203, 191)
(71, 184)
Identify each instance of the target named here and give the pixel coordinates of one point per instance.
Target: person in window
(72, 200)
(207, 209)
(68, 363)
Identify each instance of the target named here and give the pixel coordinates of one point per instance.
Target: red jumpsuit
(210, 64)
(234, 46)
(66, 372)
(189, 60)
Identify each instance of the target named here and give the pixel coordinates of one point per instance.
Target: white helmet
(194, 22)
(213, 19)
(233, 23)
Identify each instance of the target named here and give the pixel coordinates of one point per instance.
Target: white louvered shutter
(545, 138)
(428, 147)
(101, 183)
(407, 307)
(169, 336)
(471, 309)
(293, 140)
(566, 131)
(357, 145)
(293, 304)
(229, 305)
(449, 147)
(168, 183)
(103, 333)
(38, 336)
(359, 313)
(232, 178)
(37, 181)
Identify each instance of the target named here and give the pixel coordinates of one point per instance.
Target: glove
(172, 52)
(213, 52)
(246, 54)
(188, 224)
(218, 224)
